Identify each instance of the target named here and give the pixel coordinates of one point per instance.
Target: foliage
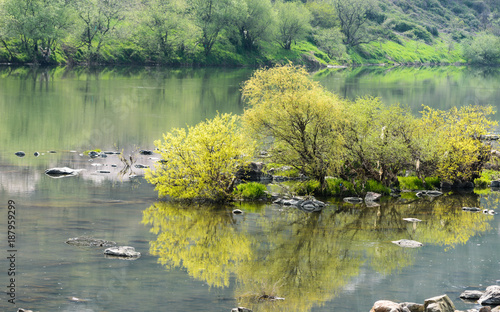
(300, 116)
(352, 19)
(330, 40)
(213, 16)
(36, 26)
(250, 190)
(292, 22)
(459, 151)
(483, 49)
(377, 187)
(257, 25)
(200, 163)
(379, 141)
(97, 21)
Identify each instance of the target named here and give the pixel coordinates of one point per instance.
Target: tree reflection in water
(302, 257)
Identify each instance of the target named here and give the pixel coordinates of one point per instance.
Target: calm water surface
(205, 258)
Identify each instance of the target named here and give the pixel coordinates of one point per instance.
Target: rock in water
(371, 196)
(439, 304)
(471, 294)
(61, 172)
(20, 154)
(146, 152)
(122, 252)
(408, 243)
(353, 200)
(491, 296)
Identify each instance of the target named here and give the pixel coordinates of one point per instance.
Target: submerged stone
(87, 241)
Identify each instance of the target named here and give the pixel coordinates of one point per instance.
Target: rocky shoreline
(489, 299)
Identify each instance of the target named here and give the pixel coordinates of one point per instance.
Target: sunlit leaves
(460, 153)
(299, 114)
(201, 162)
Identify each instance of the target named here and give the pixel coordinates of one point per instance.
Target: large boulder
(439, 304)
(491, 296)
(387, 306)
(413, 307)
(253, 172)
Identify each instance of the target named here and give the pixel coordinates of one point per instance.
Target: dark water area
(206, 258)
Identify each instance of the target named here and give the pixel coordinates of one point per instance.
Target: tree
(37, 25)
(164, 28)
(330, 40)
(257, 24)
(213, 16)
(379, 141)
(292, 22)
(299, 114)
(461, 155)
(483, 49)
(352, 18)
(99, 19)
(201, 163)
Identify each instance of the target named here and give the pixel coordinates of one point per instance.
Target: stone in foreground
(122, 252)
(439, 304)
(387, 306)
(491, 296)
(408, 243)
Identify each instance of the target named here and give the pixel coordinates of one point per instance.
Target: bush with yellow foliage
(201, 163)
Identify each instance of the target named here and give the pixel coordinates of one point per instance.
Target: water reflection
(201, 239)
(305, 258)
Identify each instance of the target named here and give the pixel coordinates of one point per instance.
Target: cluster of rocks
(489, 299)
(119, 252)
(304, 204)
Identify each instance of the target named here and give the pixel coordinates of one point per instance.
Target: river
(206, 258)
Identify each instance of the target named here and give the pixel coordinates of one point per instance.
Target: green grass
(292, 173)
(409, 51)
(415, 183)
(484, 181)
(250, 191)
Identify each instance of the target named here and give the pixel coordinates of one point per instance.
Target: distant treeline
(239, 32)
